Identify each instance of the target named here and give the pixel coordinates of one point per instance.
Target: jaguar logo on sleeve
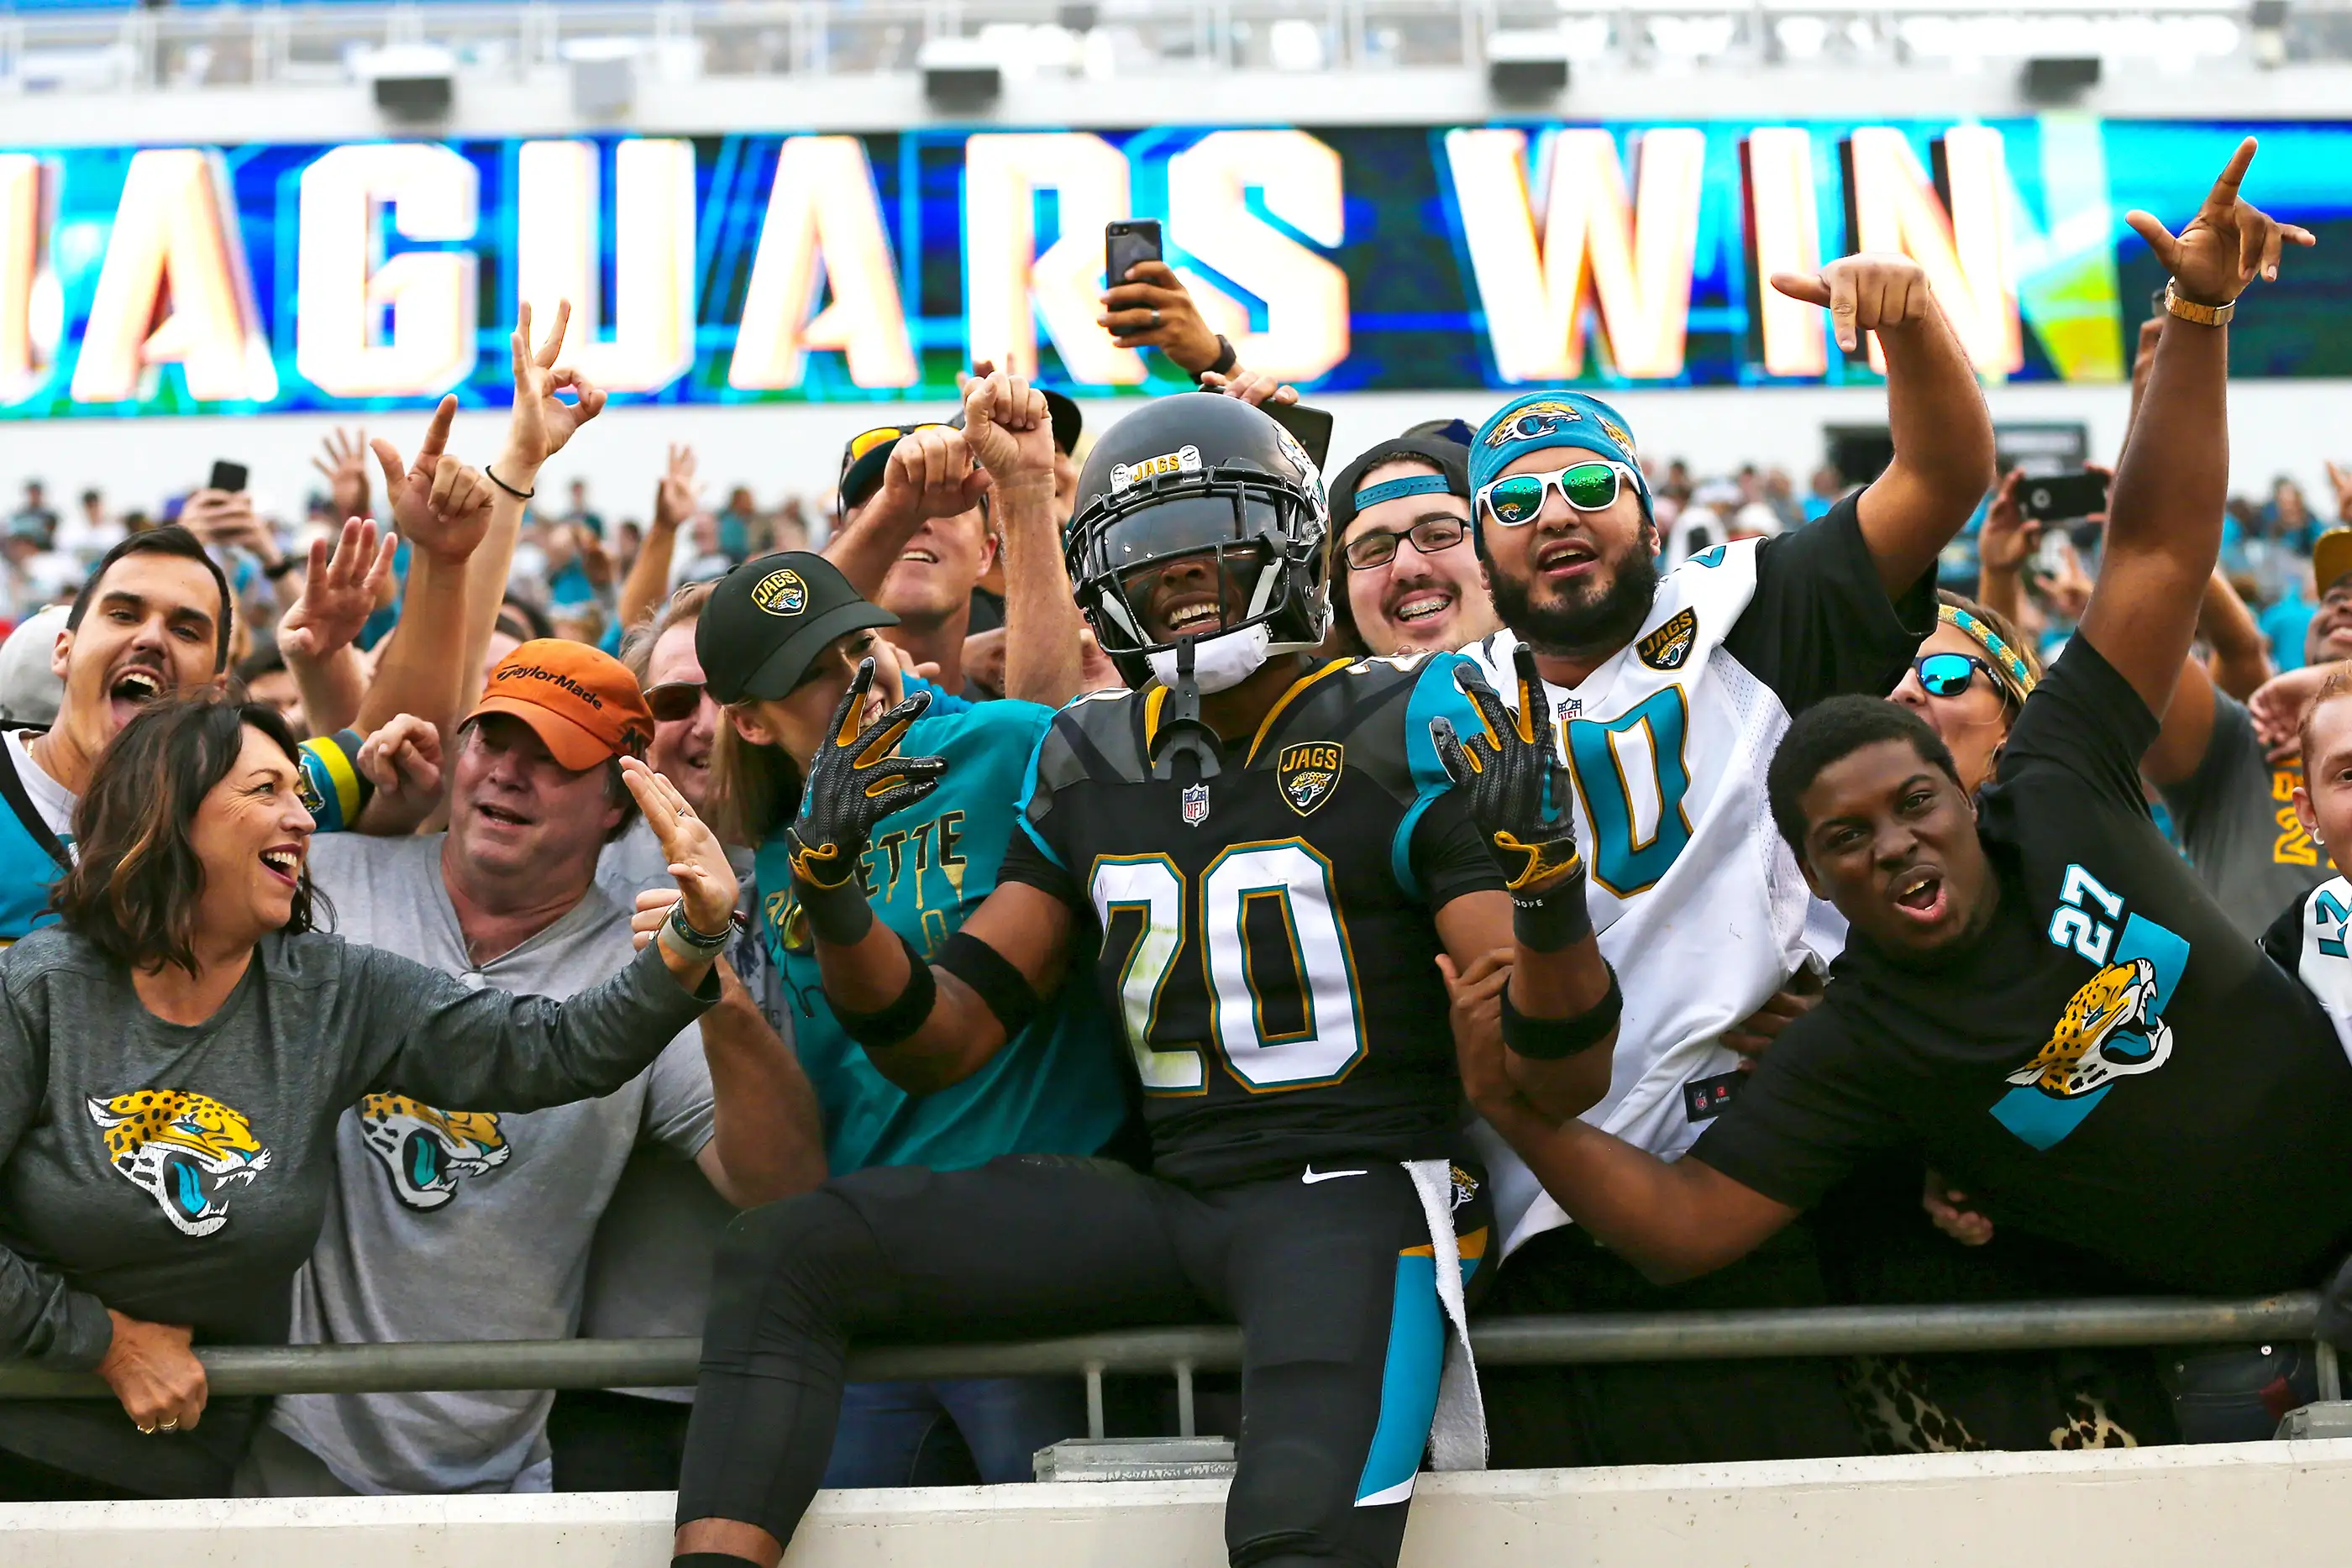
(1308, 773)
(185, 1151)
(1670, 645)
(426, 1151)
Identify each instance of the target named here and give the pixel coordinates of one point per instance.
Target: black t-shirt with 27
(2113, 1065)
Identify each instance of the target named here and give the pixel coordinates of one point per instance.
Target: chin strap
(1182, 733)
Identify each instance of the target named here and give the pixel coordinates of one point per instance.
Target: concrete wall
(2162, 1508)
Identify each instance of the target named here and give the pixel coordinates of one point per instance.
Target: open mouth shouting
(919, 555)
(1566, 559)
(132, 688)
(1921, 896)
(502, 816)
(284, 862)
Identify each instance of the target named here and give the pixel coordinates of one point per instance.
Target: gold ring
(170, 1426)
(146, 1431)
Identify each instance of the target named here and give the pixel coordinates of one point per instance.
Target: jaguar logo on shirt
(1308, 773)
(1669, 646)
(183, 1150)
(426, 1151)
(2112, 1026)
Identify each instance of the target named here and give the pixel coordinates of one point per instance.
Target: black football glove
(1520, 795)
(855, 780)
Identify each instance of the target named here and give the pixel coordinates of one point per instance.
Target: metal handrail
(1524, 1341)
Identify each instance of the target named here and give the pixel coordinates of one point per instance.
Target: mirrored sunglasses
(1518, 499)
(1429, 535)
(1950, 674)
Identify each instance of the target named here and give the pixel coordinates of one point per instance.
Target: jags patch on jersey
(1667, 647)
(1308, 773)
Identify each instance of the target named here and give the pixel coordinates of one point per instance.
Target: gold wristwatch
(2203, 315)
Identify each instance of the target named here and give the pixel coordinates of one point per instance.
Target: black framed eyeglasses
(674, 700)
(1950, 674)
(1429, 535)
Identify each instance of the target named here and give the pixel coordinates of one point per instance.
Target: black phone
(2062, 497)
(228, 476)
(1127, 241)
(1310, 427)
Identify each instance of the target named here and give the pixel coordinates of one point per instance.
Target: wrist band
(1223, 363)
(510, 489)
(1546, 922)
(889, 1025)
(839, 915)
(1003, 989)
(1549, 1039)
(329, 780)
(701, 942)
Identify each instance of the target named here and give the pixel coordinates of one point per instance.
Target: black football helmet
(1193, 473)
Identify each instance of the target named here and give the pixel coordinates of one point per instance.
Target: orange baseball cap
(582, 703)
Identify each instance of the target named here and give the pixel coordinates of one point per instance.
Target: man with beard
(1673, 690)
(154, 618)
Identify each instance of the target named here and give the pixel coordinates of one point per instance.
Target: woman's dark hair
(1830, 731)
(133, 892)
(754, 789)
(169, 539)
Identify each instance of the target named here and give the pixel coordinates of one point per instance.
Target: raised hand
(1008, 428)
(340, 592)
(696, 859)
(1519, 794)
(2006, 537)
(402, 760)
(1149, 307)
(855, 780)
(343, 459)
(1256, 388)
(441, 504)
(2342, 480)
(679, 495)
(2226, 246)
(1863, 294)
(930, 474)
(542, 421)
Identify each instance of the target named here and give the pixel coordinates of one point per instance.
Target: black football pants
(1331, 1280)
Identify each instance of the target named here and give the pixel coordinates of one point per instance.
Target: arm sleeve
(1031, 854)
(2087, 724)
(1026, 861)
(42, 1318)
(681, 1108)
(2226, 750)
(1812, 1112)
(1819, 623)
(2283, 939)
(430, 1036)
(1449, 857)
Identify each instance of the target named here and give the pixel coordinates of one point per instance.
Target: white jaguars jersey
(2309, 940)
(1697, 900)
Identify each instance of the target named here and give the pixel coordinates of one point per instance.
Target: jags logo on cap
(780, 592)
(1533, 423)
(1667, 647)
(1308, 773)
(1617, 433)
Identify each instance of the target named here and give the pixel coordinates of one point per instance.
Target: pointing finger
(2225, 189)
(1805, 286)
(436, 434)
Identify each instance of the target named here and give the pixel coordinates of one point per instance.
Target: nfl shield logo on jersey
(1196, 804)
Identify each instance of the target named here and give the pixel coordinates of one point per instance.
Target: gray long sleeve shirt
(179, 1173)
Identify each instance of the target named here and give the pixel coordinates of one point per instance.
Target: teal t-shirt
(1055, 1089)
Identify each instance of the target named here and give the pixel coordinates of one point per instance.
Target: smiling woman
(174, 1055)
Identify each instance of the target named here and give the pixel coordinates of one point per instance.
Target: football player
(1264, 859)
(1670, 691)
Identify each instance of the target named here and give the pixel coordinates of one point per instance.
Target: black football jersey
(1265, 935)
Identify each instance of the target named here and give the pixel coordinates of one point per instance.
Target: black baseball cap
(867, 452)
(770, 618)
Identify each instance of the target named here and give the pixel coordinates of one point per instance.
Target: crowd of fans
(508, 747)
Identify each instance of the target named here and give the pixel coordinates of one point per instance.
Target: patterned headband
(2010, 670)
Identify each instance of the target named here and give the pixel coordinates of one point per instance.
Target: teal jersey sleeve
(1436, 693)
(1056, 1089)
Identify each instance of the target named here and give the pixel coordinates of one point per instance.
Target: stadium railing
(1182, 1352)
(110, 45)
